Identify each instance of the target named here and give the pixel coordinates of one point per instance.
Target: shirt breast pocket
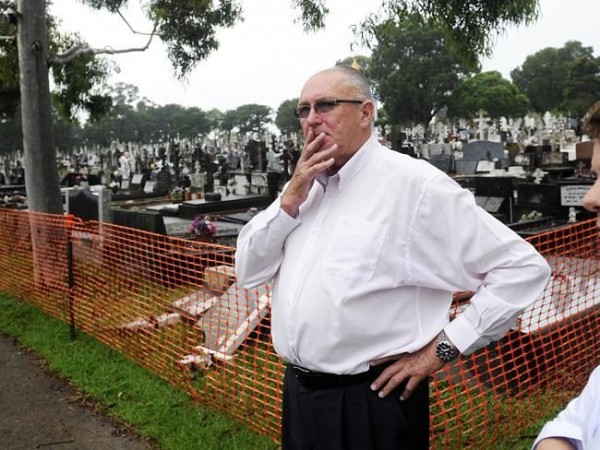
(354, 249)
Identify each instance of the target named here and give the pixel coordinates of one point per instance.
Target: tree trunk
(41, 170)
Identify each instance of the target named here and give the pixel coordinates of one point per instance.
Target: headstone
(163, 180)
(485, 151)
(137, 182)
(443, 162)
(89, 205)
(146, 220)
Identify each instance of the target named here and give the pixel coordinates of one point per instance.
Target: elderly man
(366, 247)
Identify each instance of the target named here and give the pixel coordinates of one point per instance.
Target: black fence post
(69, 222)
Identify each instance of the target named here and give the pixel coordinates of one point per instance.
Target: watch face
(444, 351)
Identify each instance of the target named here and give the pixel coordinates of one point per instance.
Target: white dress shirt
(369, 266)
(580, 420)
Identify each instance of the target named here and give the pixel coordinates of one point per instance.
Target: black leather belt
(320, 380)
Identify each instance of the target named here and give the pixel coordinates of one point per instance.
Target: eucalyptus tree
(491, 92)
(544, 75)
(414, 70)
(285, 118)
(470, 26)
(582, 86)
(253, 118)
(215, 129)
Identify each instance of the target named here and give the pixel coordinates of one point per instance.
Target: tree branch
(8, 38)
(131, 28)
(82, 49)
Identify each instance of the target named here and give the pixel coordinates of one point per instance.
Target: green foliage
(286, 120)
(9, 63)
(147, 123)
(543, 76)
(11, 134)
(253, 118)
(490, 92)
(414, 70)
(188, 28)
(312, 13)
(74, 81)
(469, 26)
(582, 86)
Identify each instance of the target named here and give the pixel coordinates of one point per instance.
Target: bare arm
(554, 443)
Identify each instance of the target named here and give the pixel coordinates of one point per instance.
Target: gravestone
(485, 150)
(443, 162)
(137, 183)
(89, 205)
(496, 196)
(146, 220)
(163, 180)
(475, 152)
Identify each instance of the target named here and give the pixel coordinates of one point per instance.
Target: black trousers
(353, 417)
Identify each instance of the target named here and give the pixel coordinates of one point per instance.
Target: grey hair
(356, 79)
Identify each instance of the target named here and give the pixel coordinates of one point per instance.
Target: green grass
(165, 415)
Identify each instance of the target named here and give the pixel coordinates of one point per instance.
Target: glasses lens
(303, 111)
(324, 106)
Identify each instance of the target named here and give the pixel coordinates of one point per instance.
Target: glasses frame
(323, 106)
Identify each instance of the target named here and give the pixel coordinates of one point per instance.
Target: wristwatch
(444, 349)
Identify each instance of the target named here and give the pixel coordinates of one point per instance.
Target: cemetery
(529, 174)
(149, 269)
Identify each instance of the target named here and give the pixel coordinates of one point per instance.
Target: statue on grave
(572, 215)
(126, 165)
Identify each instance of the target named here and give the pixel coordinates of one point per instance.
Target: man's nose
(313, 116)
(591, 201)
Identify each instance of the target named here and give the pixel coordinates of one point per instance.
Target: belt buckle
(301, 369)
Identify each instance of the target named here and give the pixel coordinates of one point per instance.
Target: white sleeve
(260, 246)
(459, 247)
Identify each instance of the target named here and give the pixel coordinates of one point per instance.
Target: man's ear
(368, 113)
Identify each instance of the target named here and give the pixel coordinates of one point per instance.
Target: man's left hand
(413, 367)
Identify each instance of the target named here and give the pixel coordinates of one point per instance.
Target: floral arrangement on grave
(203, 226)
(177, 194)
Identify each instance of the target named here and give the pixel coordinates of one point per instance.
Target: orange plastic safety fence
(173, 306)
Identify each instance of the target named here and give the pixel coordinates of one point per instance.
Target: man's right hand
(314, 160)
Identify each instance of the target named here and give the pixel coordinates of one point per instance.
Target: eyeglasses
(321, 107)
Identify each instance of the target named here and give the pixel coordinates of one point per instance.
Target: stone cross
(481, 121)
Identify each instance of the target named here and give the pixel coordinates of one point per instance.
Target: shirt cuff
(462, 335)
(281, 222)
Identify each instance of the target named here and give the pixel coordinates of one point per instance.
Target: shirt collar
(353, 166)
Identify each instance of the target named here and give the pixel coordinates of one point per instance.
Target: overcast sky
(267, 58)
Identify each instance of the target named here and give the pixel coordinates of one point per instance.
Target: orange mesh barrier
(172, 305)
